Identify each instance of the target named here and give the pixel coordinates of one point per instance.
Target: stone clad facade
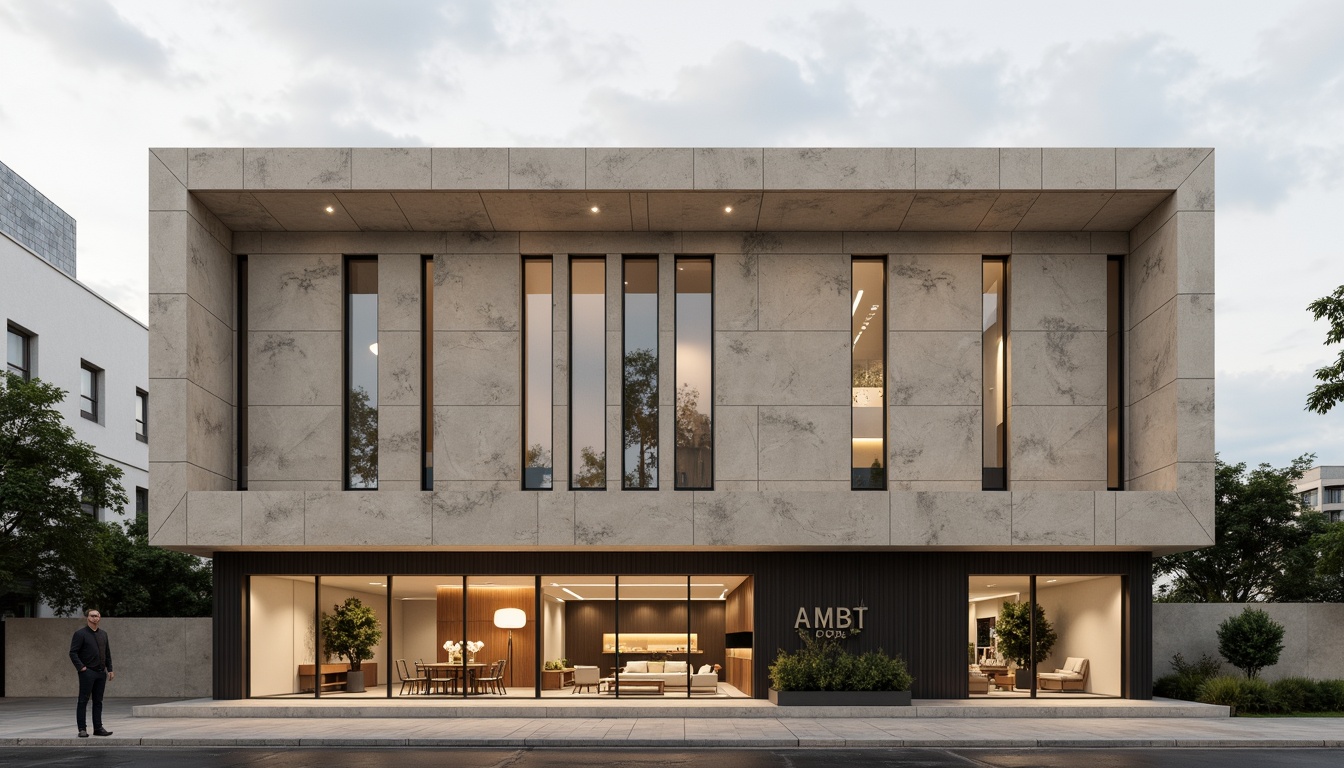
(781, 329)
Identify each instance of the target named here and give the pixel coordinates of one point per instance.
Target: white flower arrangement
(455, 649)
(474, 646)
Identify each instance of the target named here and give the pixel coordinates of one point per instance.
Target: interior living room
(1078, 632)
(576, 637)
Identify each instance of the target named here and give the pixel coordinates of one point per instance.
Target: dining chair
(416, 683)
(491, 682)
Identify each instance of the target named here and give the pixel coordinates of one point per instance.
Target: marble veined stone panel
(1058, 443)
(476, 368)
(294, 368)
(210, 433)
(1065, 367)
(804, 443)
(724, 168)
(476, 292)
(804, 293)
(936, 292)
(399, 355)
(736, 287)
(928, 442)
(1153, 352)
(214, 518)
(791, 518)
(294, 443)
(632, 518)
(555, 518)
(209, 352)
(1156, 518)
(1054, 518)
(1150, 279)
(950, 518)
(1152, 424)
(382, 518)
(1194, 419)
(934, 367)
(477, 442)
(210, 272)
(1058, 292)
(294, 293)
(296, 168)
(736, 445)
(273, 518)
(399, 278)
(474, 513)
(400, 447)
(793, 368)
(168, 335)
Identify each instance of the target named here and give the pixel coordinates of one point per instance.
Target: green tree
(351, 632)
(48, 544)
(363, 440)
(639, 417)
(1265, 548)
(1014, 633)
(146, 581)
(1331, 389)
(1251, 641)
(593, 471)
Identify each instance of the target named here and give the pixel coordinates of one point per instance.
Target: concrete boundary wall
(152, 657)
(1313, 642)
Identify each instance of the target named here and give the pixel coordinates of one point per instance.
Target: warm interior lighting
(510, 618)
(1051, 581)
(330, 209)
(854, 309)
(572, 593)
(374, 347)
(594, 209)
(727, 209)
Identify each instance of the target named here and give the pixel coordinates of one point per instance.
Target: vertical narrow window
(994, 348)
(18, 353)
(361, 373)
(868, 374)
(89, 383)
(242, 346)
(639, 375)
(1115, 374)
(537, 366)
(142, 415)
(588, 373)
(427, 374)
(141, 501)
(694, 464)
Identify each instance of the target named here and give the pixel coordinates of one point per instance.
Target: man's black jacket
(84, 650)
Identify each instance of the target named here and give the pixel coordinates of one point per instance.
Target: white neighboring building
(59, 330)
(1322, 488)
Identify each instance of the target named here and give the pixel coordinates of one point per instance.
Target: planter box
(840, 698)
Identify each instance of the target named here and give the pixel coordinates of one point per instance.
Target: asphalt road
(262, 757)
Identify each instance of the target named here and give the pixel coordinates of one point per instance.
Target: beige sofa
(1073, 677)
(672, 673)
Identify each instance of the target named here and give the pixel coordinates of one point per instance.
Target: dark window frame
(241, 419)
(886, 362)
(657, 390)
(427, 373)
(522, 367)
(569, 365)
(1005, 441)
(345, 366)
(95, 412)
(675, 326)
(142, 423)
(25, 369)
(1117, 376)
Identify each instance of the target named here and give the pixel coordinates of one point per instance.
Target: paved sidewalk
(38, 722)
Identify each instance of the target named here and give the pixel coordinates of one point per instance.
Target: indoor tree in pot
(351, 631)
(1014, 631)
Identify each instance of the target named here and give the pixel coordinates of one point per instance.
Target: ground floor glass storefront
(503, 636)
(481, 626)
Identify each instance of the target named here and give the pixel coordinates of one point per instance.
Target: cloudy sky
(87, 86)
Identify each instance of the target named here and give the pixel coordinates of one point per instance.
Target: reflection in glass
(1114, 373)
(361, 354)
(537, 346)
(639, 376)
(695, 373)
(868, 368)
(995, 361)
(587, 373)
(427, 369)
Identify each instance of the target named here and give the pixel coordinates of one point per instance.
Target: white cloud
(94, 35)
(1261, 417)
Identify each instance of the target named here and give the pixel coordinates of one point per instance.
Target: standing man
(92, 656)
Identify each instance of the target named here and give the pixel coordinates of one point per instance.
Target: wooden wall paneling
(482, 602)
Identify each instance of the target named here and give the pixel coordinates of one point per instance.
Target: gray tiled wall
(35, 222)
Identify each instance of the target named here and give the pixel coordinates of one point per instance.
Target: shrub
(1186, 677)
(1251, 641)
(1237, 693)
(822, 665)
(1328, 697)
(1294, 694)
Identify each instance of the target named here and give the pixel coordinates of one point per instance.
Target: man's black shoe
(102, 732)
(83, 734)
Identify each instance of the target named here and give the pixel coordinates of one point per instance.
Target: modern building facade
(680, 405)
(1322, 489)
(59, 330)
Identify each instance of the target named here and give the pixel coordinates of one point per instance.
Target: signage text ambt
(833, 622)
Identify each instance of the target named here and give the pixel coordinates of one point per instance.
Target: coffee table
(611, 685)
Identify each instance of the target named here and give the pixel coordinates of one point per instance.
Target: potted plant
(1014, 631)
(824, 673)
(351, 631)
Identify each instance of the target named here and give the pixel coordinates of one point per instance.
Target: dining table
(456, 670)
